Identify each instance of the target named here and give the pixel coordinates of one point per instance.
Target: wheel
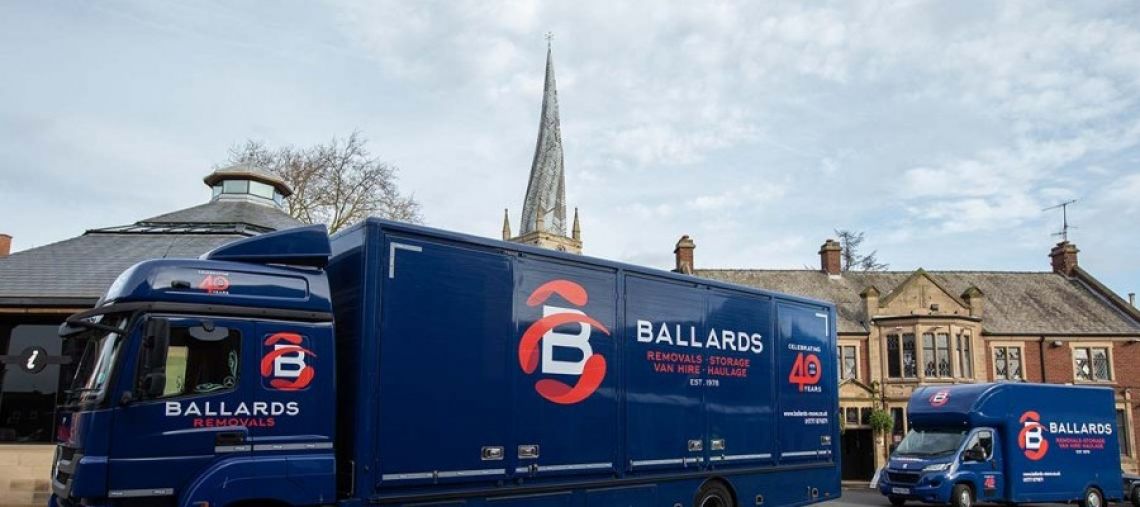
(896, 501)
(1136, 496)
(963, 496)
(1092, 498)
(714, 494)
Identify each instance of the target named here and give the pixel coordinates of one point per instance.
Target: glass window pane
(965, 360)
(1124, 432)
(865, 416)
(1015, 363)
(1083, 369)
(1100, 366)
(261, 189)
(897, 415)
(928, 354)
(1001, 371)
(28, 395)
(910, 362)
(850, 366)
(852, 415)
(894, 370)
(235, 186)
(942, 344)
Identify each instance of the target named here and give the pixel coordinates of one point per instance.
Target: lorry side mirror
(156, 340)
(153, 385)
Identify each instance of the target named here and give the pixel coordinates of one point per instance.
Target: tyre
(1092, 498)
(1135, 496)
(714, 494)
(896, 501)
(963, 496)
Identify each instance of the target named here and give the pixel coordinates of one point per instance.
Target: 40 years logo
(590, 369)
(284, 364)
(1031, 439)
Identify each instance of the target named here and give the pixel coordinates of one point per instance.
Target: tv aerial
(1064, 233)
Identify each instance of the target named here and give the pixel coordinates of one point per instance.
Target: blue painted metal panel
(664, 395)
(740, 396)
(805, 351)
(445, 396)
(566, 370)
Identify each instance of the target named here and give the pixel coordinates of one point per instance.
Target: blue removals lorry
(1007, 443)
(400, 365)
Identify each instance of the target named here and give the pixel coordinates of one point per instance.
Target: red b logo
(285, 364)
(591, 369)
(939, 398)
(1031, 439)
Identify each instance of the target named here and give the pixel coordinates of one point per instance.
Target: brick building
(900, 330)
(40, 287)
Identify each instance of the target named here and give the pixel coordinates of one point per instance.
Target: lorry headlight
(936, 468)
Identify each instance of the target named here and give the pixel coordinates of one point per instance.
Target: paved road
(853, 497)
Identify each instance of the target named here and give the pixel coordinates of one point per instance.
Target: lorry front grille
(903, 477)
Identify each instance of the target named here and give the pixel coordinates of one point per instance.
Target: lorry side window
(200, 366)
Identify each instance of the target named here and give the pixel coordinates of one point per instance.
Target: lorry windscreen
(930, 442)
(94, 370)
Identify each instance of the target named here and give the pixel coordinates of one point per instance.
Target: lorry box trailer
(397, 364)
(1007, 443)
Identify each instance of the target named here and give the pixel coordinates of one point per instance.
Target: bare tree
(849, 243)
(336, 184)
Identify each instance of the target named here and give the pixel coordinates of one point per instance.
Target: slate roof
(233, 212)
(76, 271)
(1015, 302)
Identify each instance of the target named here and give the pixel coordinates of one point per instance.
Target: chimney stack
(5, 244)
(1064, 257)
(684, 255)
(829, 257)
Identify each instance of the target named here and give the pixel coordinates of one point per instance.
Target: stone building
(899, 330)
(543, 221)
(40, 287)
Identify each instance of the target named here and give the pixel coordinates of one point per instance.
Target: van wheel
(1136, 496)
(896, 501)
(715, 494)
(1093, 498)
(963, 496)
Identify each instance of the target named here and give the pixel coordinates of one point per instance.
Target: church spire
(546, 190)
(543, 221)
(506, 225)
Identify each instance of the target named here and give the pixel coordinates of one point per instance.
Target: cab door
(987, 471)
(161, 439)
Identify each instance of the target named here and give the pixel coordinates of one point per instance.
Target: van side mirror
(973, 455)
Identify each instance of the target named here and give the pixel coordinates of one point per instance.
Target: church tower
(543, 221)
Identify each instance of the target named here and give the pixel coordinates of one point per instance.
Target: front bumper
(933, 487)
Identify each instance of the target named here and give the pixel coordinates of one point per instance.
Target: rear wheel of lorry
(1135, 496)
(1093, 498)
(963, 496)
(714, 494)
(896, 501)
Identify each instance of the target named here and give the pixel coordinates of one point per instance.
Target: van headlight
(941, 467)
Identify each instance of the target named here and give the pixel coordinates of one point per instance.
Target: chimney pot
(5, 244)
(684, 255)
(829, 257)
(1064, 257)
(1132, 298)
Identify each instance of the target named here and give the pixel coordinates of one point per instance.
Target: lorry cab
(1006, 443)
(207, 377)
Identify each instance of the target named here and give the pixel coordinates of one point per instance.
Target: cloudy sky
(941, 129)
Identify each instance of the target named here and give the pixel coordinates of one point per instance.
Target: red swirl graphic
(594, 369)
(304, 377)
(1023, 437)
(569, 291)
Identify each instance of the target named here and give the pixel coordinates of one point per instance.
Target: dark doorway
(858, 455)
